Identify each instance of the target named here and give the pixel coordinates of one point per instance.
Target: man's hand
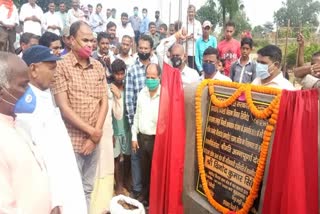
(300, 39)
(95, 135)
(106, 59)
(55, 210)
(134, 146)
(315, 70)
(88, 147)
(116, 92)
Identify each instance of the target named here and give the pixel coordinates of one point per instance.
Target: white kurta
(47, 130)
(31, 26)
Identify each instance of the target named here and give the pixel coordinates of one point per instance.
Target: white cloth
(13, 19)
(95, 20)
(121, 31)
(218, 76)
(50, 19)
(128, 61)
(277, 82)
(146, 116)
(189, 75)
(31, 26)
(73, 16)
(194, 28)
(48, 131)
(163, 47)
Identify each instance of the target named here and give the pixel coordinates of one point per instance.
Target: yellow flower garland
(271, 110)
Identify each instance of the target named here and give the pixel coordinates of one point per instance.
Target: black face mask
(176, 61)
(143, 56)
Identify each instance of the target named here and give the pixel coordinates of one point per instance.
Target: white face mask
(262, 70)
(144, 15)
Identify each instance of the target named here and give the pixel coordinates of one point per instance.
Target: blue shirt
(135, 81)
(144, 27)
(201, 46)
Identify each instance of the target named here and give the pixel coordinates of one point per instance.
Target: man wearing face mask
(125, 27)
(80, 91)
(158, 21)
(210, 59)
(145, 125)
(144, 22)
(48, 131)
(178, 60)
(135, 81)
(268, 69)
(24, 181)
(135, 21)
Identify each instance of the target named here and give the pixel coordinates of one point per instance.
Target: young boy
(121, 132)
(244, 69)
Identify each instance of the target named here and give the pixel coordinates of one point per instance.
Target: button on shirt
(85, 87)
(201, 46)
(31, 26)
(189, 75)
(277, 82)
(243, 74)
(50, 19)
(135, 81)
(13, 19)
(146, 117)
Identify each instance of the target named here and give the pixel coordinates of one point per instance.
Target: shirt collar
(75, 61)
(157, 94)
(9, 120)
(249, 62)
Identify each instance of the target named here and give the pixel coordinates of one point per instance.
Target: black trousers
(146, 144)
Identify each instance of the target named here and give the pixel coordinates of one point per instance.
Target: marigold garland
(271, 111)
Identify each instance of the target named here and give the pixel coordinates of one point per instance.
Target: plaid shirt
(85, 88)
(135, 81)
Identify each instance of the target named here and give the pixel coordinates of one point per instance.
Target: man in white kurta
(51, 21)
(48, 131)
(31, 15)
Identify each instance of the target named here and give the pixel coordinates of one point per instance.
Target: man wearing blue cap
(47, 130)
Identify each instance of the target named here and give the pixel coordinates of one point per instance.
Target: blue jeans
(87, 165)
(136, 171)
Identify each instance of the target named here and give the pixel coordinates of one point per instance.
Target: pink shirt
(24, 186)
(230, 52)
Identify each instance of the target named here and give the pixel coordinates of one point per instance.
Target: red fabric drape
(168, 154)
(292, 185)
(9, 5)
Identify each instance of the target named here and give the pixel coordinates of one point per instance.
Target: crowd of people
(79, 98)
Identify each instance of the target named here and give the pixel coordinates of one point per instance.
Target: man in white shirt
(31, 15)
(145, 125)
(126, 45)
(97, 21)
(194, 31)
(9, 19)
(75, 14)
(62, 13)
(178, 60)
(209, 61)
(125, 28)
(51, 21)
(268, 69)
(48, 131)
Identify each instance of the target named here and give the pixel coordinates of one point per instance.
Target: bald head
(177, 48)
(178, 56)
(10, 66)
(153, 70)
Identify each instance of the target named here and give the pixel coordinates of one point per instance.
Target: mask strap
(7, 102)
(10, 94)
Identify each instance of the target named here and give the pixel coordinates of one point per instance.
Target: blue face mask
(208, 68)
(262, 71)
(25, 104)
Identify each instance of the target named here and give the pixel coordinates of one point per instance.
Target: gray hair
(4, 69)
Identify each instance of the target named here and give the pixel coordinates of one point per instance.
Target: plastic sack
(116, 208)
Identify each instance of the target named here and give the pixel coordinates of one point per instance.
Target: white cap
(206, 24)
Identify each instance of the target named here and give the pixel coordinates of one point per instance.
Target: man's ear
(33, 71)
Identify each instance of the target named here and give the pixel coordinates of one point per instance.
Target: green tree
(230, 8)
(299, 12)
(208, 12)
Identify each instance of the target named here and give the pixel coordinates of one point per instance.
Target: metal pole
(180, 10)
(286, 46)
(169, 13)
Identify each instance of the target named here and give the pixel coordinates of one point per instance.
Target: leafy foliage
(299, 12)
(308, 51)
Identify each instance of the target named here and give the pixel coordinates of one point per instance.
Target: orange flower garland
(272, 110)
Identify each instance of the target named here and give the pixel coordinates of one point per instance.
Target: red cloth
(292, 185)
(168, 154)
(230, 52)
(9, 5)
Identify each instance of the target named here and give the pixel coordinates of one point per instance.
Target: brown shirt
(85, 87)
